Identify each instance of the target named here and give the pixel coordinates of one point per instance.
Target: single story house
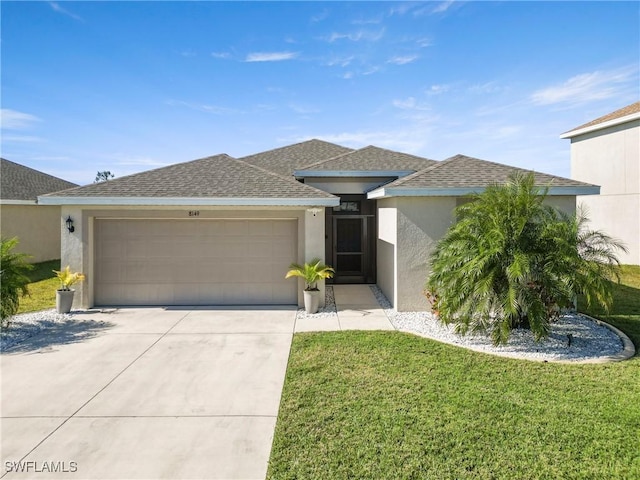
(607, 151)
(221, 230)
(36, 226)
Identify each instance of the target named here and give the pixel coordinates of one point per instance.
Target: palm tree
(513, 261)
(13, 279)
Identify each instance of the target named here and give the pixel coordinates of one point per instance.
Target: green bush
(13, 279)
(513, 261)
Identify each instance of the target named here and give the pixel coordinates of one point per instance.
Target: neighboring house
(606, 151)
(36, 226)
(221, 230)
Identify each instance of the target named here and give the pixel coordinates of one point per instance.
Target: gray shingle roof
(371, 158)
(285, 160)
(18, 182)
(220, 176)
(461, 171)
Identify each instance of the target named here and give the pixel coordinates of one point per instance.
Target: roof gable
(460, 175)
(285, 160)
(216, 177)
(18, 182)
(369, 159)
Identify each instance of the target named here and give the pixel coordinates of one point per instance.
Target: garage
(194, 261)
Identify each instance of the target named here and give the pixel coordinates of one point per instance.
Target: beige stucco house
(36, 226)
(606, 151)
(221, 230)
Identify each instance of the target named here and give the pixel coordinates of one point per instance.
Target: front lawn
(392, 405)
(42, 289)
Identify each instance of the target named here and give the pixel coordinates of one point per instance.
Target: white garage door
(194, 262)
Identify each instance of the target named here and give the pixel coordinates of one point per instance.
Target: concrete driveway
(147, 393)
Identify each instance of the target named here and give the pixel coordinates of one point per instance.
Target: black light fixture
(70, 226)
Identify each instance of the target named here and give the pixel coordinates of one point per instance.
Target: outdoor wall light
(314, 210)
(70, 226)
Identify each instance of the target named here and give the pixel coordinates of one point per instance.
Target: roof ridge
(281, 177)
(292, 145)
(401, 181)
(320, 162)
(359, 150)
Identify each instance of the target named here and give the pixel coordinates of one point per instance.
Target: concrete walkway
(356, 309)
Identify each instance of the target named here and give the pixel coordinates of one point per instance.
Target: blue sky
(129, 86)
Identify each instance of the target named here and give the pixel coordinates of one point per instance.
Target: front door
(351, 239)
(350, 234)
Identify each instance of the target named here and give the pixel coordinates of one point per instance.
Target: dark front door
(351, 239)
(350, 235)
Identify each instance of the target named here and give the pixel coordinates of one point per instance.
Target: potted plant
(311, 272)
(64, 295)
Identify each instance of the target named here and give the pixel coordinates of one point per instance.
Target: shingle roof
(461, 171)
(18, 182)
(371, 158)
(622, 112)
(220, 176)
(285, 160)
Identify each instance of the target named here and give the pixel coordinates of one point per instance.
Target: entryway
(351, 240)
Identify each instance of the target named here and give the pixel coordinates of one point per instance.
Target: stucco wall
(422, 221)
(611, 158)
(37, 227)
(386, 247)
(78, 247)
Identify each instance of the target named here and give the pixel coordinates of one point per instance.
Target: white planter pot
(311, 300)
(64, 300)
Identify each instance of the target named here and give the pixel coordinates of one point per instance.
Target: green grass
(386, 405)
(42, 289)
(625, 313)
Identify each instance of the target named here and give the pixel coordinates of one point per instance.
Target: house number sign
(194, 213)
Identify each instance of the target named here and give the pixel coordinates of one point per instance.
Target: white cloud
(487, 87)
(403, 59)
(411, 103)
(424, 42)
(203, 107)
(136, 160)
(14, 120)
(270, 56)
(320, 16)
(303, 109)
(221, 55)
(587, 87)
(442, 7)
(188, 53)
(368, 21)
(438, 89)
(21, 138)
(348, 75)
(57, 8)
(340, 61)
(360, 35)
(401, 8)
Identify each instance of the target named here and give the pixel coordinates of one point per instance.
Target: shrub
(512, 261)
(13, 279)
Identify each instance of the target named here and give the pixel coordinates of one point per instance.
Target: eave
(197, 201)
(386, 192)
(601, 126)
